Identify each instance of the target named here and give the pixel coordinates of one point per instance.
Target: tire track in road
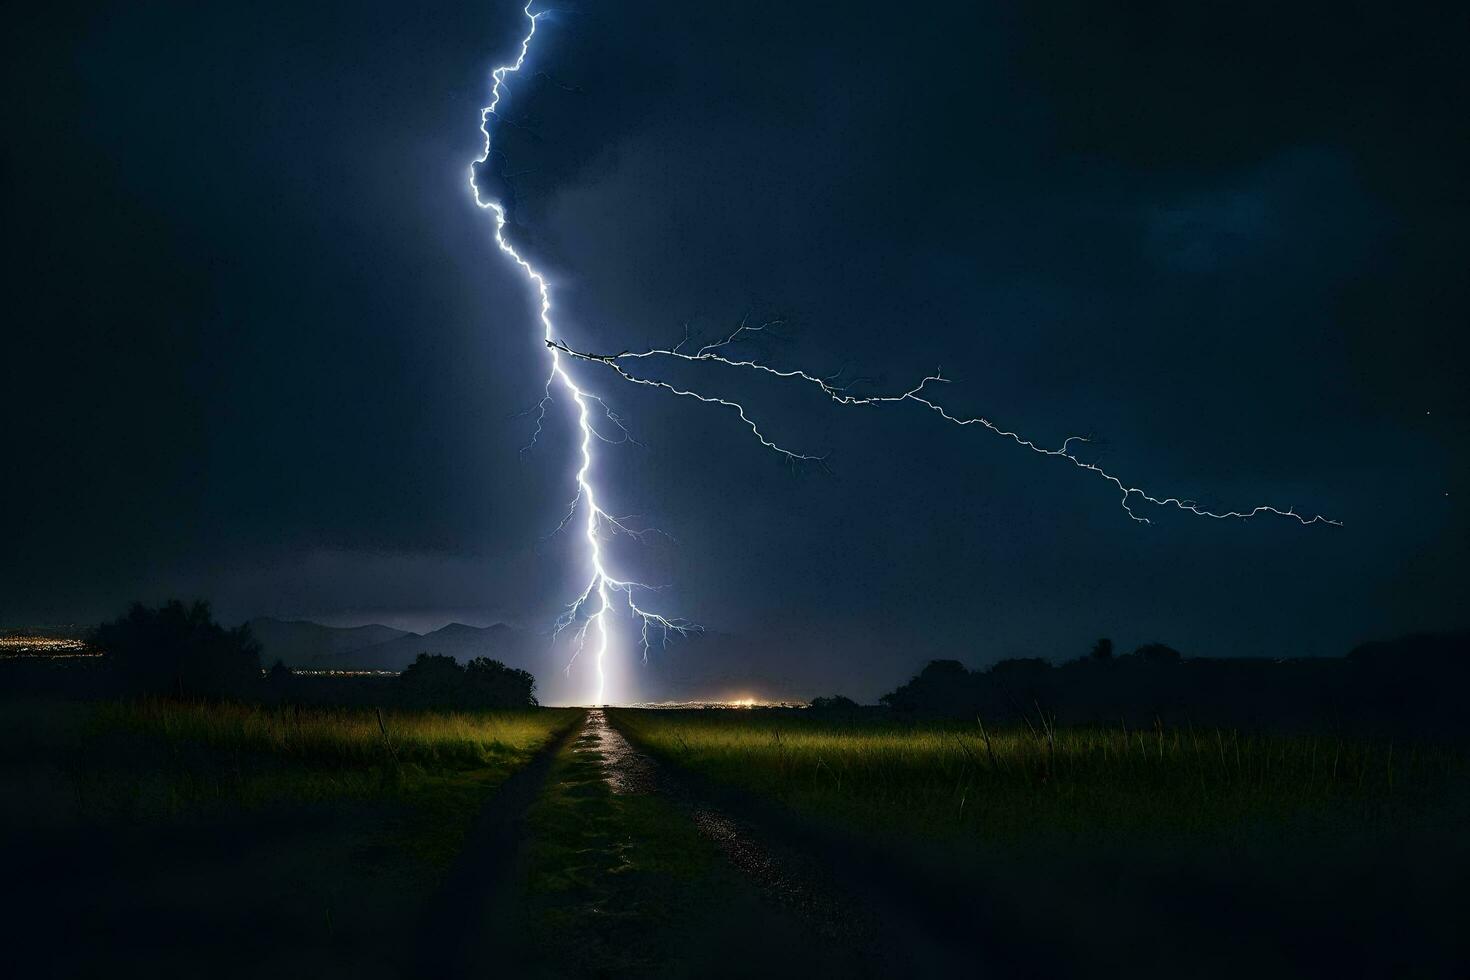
(901, 917)
(789, 878)
(455, 923)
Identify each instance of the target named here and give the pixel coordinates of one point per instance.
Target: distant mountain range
(305, 644)
(298, 642)
(710, 665)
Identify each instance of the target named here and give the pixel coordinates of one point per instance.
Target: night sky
(259, 345)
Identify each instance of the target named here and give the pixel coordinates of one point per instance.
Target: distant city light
(44, 647)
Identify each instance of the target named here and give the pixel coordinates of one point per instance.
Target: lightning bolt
(593, 606)
(591, 609)
(919, 395)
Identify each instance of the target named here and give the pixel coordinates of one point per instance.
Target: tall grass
(331, 737)
(149, 759)
(946, 779)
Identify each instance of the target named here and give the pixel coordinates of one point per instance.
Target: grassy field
(1084, 850)
(150, 761)
(156, 833)
(1098, 852)
(946, 779)
(147, 836)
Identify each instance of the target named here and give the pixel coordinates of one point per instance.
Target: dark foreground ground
(717, 843)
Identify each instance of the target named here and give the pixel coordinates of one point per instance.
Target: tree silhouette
(435, 680)
(180, 650)
(1157, 653)
(836, 702)
(432, 680)
(492, 684)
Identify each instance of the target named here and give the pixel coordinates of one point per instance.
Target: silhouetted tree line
(1415, 685)
(178, 650)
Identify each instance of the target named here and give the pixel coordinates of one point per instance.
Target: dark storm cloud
(257, 314)
(259, 321)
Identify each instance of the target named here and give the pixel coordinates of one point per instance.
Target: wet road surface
(791, 879)
(886, 919)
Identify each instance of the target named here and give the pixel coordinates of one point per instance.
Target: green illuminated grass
(269, 840)
(149, 761)
(948, 780)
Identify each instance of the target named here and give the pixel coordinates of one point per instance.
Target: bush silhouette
(432, 680)
(1157, 653)
(943, 686)
(180, 650)
(438, 681)
(1020, 668)
(490, 683)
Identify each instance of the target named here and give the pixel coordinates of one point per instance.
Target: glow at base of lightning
(592, 608)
